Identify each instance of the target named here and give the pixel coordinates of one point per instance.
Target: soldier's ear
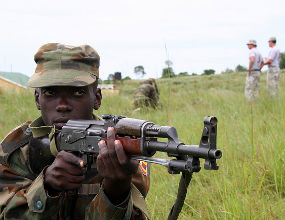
(37, 99)
(98, 98)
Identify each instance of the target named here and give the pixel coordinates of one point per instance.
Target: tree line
(168, 72)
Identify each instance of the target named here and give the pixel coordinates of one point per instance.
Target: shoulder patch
(143, 167)
(18, 137)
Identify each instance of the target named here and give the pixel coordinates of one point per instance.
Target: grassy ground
(250, 183)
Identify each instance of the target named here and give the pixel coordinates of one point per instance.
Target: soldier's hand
(117, 169)
(65, 173)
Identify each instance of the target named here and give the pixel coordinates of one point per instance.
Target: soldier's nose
(63, 105)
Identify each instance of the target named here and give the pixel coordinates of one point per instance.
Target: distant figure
(253, 76)
(155, 86)
(273, 73)
(147, 94)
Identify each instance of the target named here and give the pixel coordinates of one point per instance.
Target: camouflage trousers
(273, 78)
(251, 85)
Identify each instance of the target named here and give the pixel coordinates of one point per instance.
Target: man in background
(273, 73)
(253, 76)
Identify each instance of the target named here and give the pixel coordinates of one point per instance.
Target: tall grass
(250, 181)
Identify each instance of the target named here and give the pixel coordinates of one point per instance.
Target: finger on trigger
(121, 155)
(72, 159)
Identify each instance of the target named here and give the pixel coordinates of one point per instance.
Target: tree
(139, 70)
(194, 74)
(168, 63)
(183, 74)
(282, 61)
(208, 72)
(167, 73)
(117, 76)
(240, 68)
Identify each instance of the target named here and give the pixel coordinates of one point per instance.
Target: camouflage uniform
(273, 78)
(155, 86)
(146, 95)
(253, 77)
(23, 161)
(273, 73)
(251, 85)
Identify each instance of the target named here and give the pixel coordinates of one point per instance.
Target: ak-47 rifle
(139, 139)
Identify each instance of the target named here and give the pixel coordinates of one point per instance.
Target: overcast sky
(200, 34)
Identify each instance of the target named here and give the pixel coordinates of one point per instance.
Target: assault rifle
(140, 140)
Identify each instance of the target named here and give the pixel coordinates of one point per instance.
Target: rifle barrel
(181, 149)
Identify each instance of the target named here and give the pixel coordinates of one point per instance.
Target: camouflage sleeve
(141, 184)
(141, 179)
(134, 207)
(102, 208)
(22, 197)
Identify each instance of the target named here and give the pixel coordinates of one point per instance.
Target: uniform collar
(39, 129)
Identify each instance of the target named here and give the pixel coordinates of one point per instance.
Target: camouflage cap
(65, 65)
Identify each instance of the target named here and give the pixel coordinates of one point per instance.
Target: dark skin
(59, 104)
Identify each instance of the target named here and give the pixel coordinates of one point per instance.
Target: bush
(240, 68)
(208, 72)
(183, 74)
(127, 78)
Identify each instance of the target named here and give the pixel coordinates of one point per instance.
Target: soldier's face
(249, 46)
(58, 104)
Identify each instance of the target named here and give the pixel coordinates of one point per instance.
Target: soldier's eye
(48, 92)
(79, 92)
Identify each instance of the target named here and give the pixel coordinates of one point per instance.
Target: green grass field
(250, 183)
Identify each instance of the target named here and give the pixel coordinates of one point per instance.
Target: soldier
(155, 86)
(37, 182)
(273, 73)
(253, 76)
(147, 94)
